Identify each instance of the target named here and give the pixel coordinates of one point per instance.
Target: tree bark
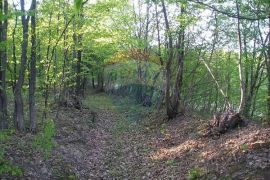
(14, 58)
(170, 110)
(180, 66)
(48, 61)
(3, 64)
(93, 80)
(78, 68)
(240, 64)
(32, 78)
(19, 113)
(268, 74)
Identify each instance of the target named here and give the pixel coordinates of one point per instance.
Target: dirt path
(104, 149)
(119, 143)
(119, 146)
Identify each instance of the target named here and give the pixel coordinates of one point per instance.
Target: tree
(3, 63)
(18, 110)
(242, 103)
(32, 74)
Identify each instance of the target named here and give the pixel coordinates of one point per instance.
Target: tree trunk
(14, 58)
(93, 80)
(180, 67)
(101, 80)
(78, 68)
(32, 78)
(18, 114)
(3, 64)
(47, 72)
(268, 75)
(170, 110)
(240, 64)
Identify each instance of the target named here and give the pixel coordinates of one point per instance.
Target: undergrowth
(44, 140)
(195, 173)
(6, 167)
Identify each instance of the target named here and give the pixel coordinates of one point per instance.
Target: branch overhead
(229, 14)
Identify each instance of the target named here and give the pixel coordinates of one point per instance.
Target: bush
(44, 140)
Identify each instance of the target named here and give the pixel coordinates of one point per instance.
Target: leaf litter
(113, 147)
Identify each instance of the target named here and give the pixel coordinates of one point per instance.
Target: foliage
(6, 134)
(44, 140)
(5, 166)
(78, 4)
(194, 173)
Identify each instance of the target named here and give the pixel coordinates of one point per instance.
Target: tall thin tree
(18, 110)
(3, 63)
(32, 78)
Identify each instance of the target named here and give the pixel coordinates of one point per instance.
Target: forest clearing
(135, 89)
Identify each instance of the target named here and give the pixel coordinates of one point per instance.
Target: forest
(135, 89)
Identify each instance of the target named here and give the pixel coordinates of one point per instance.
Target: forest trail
(109, 145)
(126, 141)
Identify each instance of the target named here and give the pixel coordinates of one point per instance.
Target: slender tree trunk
(3, 64)
(47, 72)
(240, 64)
(14, 58)
(163, 71)
(93, 80)
(101, 80)
(170, 111)
(78, 68)
(19, 113)
(248, 85)
(14, 66)
(268, 74)
(180, 67)
(32, 78)
(55, 67)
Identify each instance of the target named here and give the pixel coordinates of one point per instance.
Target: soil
(127, 144)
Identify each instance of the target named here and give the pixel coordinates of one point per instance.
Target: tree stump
(223, 122)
